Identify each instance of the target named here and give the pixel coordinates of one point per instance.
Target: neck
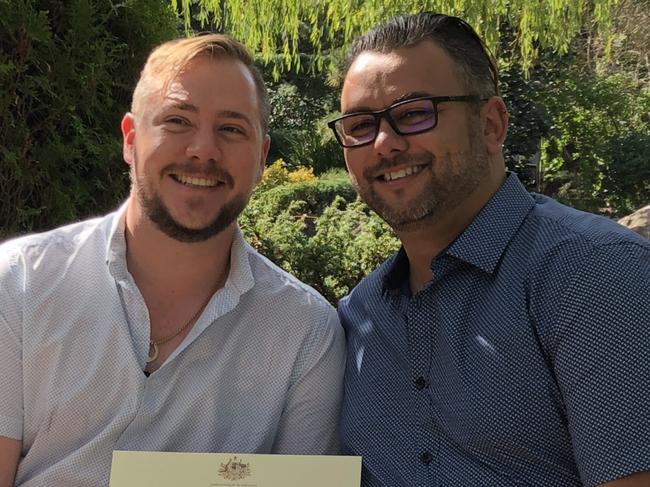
(422, 245)
(163, 265)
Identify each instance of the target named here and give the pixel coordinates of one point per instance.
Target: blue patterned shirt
(525, 361)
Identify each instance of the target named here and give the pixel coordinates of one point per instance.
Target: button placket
(420, 319)
(420, 333)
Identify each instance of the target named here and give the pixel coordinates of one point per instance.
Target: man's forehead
(374, 67)
(385, 77)
(204, 79)
(176, 93)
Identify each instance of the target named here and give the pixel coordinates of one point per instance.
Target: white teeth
(402, 173)
(193, 181)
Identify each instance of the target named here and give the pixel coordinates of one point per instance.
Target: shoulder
(293, 310)
(562, 241)
(64, 238)
(582, 268)
(49, 252)
(37, 269)
(558, 224)
(283, 287)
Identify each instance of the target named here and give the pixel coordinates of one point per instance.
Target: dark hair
(474, 60)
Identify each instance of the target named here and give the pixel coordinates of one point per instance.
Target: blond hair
(168, 60)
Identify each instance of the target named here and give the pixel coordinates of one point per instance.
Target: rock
(639, 221)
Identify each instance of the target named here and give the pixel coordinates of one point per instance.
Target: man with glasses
(506, 343)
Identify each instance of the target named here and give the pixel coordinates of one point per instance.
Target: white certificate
(163, 469)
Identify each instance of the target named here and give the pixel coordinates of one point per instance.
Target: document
(164, 469)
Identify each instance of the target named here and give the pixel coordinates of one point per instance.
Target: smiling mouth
(199, 182)
(402, 173)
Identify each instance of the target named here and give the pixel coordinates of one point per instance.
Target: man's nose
(204, 145)
(388, 141)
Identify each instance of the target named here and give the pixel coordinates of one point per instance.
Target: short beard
(408, 218)
(456, 180)
(159, 214)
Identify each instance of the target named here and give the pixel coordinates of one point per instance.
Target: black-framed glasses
(408, 117)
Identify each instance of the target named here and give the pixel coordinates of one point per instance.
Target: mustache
(209, 171)
(385, 164)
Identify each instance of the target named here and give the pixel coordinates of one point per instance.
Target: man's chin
(185, 234)
(198, 232)
(409, 223)
(406, 219)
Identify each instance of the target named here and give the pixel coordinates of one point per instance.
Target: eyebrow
(188, 107)
(194, 109)
(406, 96)
(234, 114)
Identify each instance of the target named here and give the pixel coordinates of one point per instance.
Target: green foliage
(315, 194)
(273, 28)
(350, 242)
(298, 131)
(320, 232)
(67, 70)
(316, 147)
(528, 123)
(597, 153)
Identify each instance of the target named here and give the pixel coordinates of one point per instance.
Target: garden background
(575, 75)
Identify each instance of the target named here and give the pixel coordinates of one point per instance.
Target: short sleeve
(309, 422)
(11, 392)
(602, 361)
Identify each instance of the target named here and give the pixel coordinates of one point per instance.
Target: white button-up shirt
(259, 372)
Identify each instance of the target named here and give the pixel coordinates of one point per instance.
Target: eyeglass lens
(406, 118)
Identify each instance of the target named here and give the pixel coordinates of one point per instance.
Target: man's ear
(266, 145)
(495, 124)
(128, 136)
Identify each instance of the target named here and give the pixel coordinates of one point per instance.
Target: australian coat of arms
(234, 469)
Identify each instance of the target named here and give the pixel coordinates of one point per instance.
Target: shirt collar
(484, 241)
(240, 275)
(116, 244)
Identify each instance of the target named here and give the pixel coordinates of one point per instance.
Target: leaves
(319, 231)
(67, 70)
(272, 28)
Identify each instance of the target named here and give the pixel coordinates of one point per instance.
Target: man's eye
(233, 129)
(360, 127)
(415, 115)
(177, 121)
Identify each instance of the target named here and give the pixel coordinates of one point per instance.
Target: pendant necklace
(154, 344)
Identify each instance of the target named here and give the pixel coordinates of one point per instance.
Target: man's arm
(602, 364)
(309, 422)
(641, 479)
(11, 386)
(9, 454)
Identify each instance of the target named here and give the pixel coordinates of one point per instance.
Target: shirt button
(426, 458)
(420, 383)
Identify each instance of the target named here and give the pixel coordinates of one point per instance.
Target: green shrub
(67, 70)
(350, 242)
(299, 134)
(528, 124)
(597, 153)
(317, 195)
(320, 232)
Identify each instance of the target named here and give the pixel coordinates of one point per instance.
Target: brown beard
(456, 178)
(159, 214)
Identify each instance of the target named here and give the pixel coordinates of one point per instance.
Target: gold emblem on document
(235, 469)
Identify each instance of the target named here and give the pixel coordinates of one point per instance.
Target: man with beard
(158, 327)
(506, 342)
